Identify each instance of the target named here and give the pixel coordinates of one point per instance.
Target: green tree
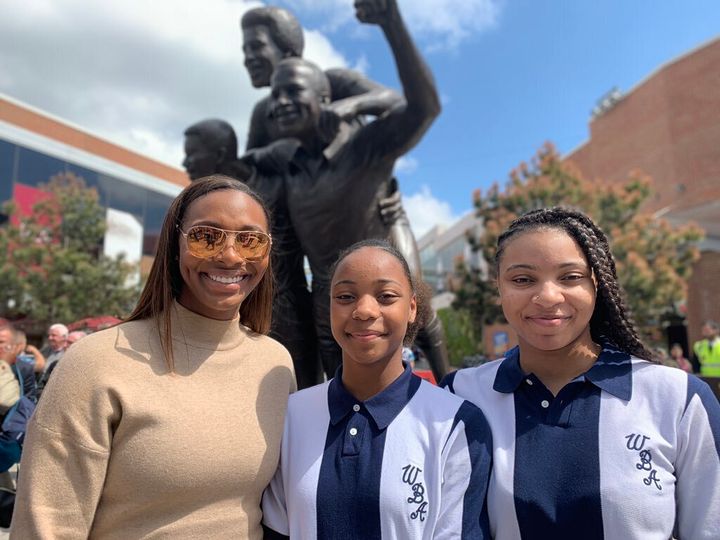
(51, 265)
(654, 259)
(459, 334)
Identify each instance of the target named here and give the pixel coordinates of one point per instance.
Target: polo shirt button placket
(354, 431)
(352, 441)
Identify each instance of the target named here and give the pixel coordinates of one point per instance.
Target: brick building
(668, 126)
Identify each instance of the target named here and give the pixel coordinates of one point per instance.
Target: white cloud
(406, 165)
(425, 211)
(135, 72)
(319, 49)
(440, 23)
(362, 64)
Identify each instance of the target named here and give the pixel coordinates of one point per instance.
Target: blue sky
(512, 74)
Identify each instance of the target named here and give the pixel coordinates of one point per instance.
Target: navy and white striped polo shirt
(629, 450)
(412, 462)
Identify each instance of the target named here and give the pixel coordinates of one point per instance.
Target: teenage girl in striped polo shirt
(591, 439)
(377, 452)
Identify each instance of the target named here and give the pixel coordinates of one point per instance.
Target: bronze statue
(211, 147)
(271, 34)
(335, 184)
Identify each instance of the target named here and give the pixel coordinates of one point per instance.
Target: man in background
(17, 404)
(707, 350)
(11, 351)
(57, 343)
(27, 353)
(74, 337)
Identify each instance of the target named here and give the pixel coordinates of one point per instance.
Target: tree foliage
(654, 259)
(51, 265)
(460, 335)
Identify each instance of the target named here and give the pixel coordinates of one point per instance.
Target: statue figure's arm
(354, 95)
(402, 128)
(272, 158)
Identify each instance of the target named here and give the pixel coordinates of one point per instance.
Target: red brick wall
(703, 293)
(694, 100)
(669, 127)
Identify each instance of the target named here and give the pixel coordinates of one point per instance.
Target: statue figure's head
(269, 35)
(299, 90)
(209, 144)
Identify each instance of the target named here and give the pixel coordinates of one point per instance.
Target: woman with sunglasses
(169, 425)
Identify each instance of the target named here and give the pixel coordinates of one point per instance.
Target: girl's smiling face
(371, 305)
(547, 289)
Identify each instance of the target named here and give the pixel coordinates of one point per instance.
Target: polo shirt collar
(611, 372)
(383, 407)
(509, 375)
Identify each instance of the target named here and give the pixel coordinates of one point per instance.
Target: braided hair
(611, 322)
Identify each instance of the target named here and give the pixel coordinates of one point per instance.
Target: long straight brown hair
(165, 281)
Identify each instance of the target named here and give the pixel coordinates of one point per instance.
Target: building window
(7, 167)
(124, 196)
(90, 178)
(155, 210)
(35, 168)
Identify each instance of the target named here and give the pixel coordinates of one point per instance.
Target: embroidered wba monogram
(636, 443)
(417, 500)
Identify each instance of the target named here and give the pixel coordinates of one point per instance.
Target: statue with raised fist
(335, 182)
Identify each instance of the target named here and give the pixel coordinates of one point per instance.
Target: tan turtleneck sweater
(120, 448)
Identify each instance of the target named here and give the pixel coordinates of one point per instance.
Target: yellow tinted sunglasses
(204, 241)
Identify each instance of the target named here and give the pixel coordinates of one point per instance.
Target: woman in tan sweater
(169, 425)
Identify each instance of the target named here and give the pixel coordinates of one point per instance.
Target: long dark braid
(611, 322)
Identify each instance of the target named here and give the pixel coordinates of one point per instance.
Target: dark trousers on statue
(292, 326)
(328, 350)
(431, 339)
